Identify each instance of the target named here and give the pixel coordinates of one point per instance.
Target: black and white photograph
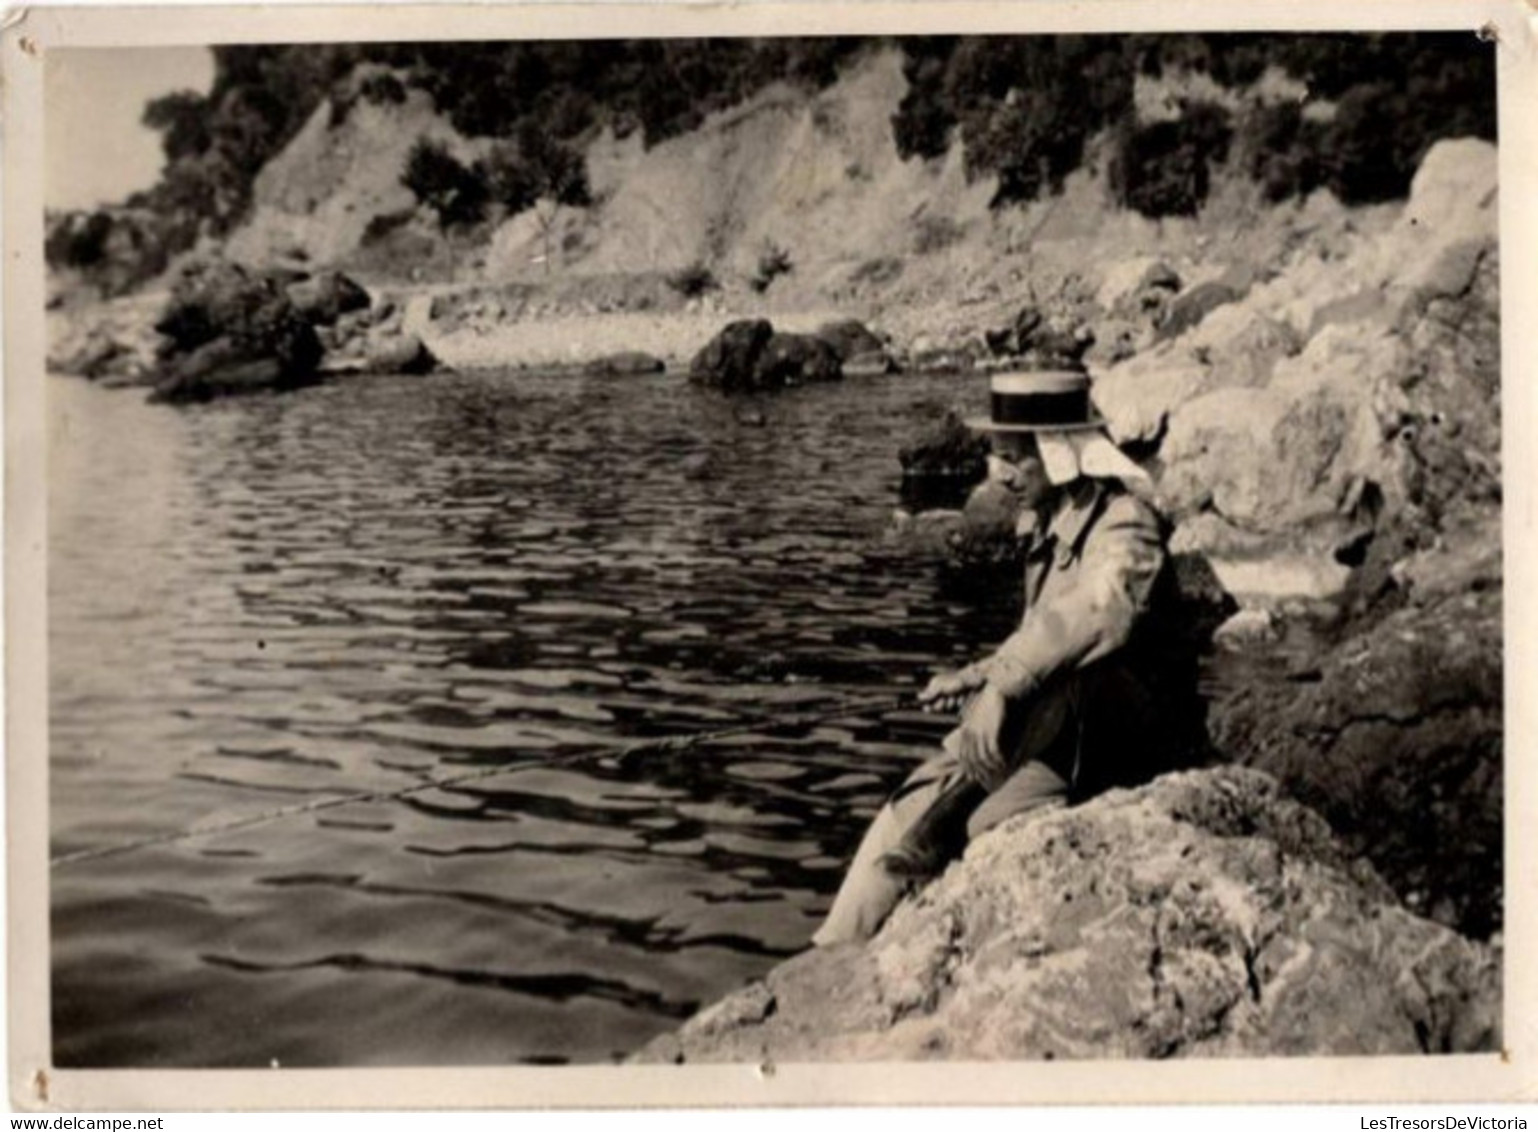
(977, 545)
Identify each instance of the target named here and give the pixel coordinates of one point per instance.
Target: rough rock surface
(750, 354)
(795, 359)
(324, 298)
(726, 361)
(1395, 736)
(851, 338)
(111, 342)
(1203, 915)
(232, 330)
(1367, 365)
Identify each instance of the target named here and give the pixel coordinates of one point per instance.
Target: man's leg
(1040, 739)
(1034, 786)
(1048, 749)
(870, 892)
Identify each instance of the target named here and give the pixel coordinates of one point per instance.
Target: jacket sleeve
(1093, 609)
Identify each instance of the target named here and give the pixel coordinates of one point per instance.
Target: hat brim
(987, 424)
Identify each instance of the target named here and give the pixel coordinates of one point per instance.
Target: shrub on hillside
(1025, 105)
(78, 239)
(693, 280)
(773, 261)
(439, 180)
(1165, 168)
(1283, 152)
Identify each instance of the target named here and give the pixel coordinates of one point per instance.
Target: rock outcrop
(232, 330)
(751, 355)
(851, 338)
(1395, 736)
(324, 298)
(111, 342)
(1203, 915)
(943, 463)
(1366, 368)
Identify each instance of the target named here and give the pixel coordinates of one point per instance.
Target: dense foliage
(1025, 109)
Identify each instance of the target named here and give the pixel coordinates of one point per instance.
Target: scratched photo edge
(34, 1084)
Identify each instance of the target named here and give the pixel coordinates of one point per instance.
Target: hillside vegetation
(480, 132)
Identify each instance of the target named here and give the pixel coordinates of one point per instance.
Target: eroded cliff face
(1204, 915)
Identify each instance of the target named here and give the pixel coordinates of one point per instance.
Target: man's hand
(948, 691)
(978, 742)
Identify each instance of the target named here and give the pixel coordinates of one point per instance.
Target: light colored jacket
(1089, 577)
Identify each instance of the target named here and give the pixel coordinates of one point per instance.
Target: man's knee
(1033, 787)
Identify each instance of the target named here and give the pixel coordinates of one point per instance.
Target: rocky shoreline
(1321, 428)
(1205, 915)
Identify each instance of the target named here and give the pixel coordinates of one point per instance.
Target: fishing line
(620, 756)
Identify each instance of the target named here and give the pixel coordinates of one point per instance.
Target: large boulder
(230, 330)
(1395, 736)
(727, 360)
(945, 449)
(1372, 358)
(750, 355)
(850, 338)
(324, 298)
(943, 462)
(795, 359)
(1204, 915)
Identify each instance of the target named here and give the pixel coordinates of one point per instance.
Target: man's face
(1016, 465)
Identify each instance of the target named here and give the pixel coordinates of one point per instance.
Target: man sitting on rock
(1058, 712)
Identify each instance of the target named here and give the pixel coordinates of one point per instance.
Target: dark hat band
(1067, 408)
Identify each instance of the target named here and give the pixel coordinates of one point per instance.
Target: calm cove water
(277, 599)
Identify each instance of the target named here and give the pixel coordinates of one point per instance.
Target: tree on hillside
(1165, 168)
(536, 172)
(439, 180)
(181, 118)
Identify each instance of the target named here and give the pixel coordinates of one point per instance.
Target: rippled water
(271, 600)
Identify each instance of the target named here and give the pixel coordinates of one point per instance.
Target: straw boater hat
(1054, 406)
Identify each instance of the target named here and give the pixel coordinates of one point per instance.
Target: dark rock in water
(218, 369)
(946, 449)
(1204, 915)
(795, 359)
(728, 360)
(751, 355)
(850, 338)
(231, 330)
(399, 353)
(327, 297)
(626, 364)
(1397, 740)
(1189, 307)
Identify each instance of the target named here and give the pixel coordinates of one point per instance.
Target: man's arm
(1094, 614)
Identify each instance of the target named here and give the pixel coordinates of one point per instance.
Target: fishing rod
(622, 757)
